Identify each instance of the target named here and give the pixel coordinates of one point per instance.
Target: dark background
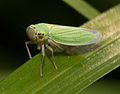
(16, 15)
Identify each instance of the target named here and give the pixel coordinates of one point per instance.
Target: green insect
(59, 38)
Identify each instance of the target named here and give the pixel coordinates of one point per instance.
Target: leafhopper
(59, 38)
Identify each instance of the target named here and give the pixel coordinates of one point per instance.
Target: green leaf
(75, 73)
(82, 7)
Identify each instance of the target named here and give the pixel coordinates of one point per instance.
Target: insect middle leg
(43, 56)
(53, 61)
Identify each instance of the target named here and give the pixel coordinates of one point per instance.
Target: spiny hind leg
(53, 61)
(43, 56)
(53, 44)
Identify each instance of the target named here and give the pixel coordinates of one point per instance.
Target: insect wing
(74, 36)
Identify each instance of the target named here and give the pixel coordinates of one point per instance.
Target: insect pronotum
(52, 37)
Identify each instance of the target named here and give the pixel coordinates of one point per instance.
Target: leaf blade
(83, 8)
(75, 72)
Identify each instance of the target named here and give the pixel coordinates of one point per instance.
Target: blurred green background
(16, 15)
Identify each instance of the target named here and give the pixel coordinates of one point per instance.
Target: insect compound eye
(42, 34)
(39, 33)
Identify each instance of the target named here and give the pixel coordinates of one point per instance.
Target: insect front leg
(43, 55)
(53, 61)
(26, 44)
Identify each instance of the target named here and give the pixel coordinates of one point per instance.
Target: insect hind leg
(53, 61)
